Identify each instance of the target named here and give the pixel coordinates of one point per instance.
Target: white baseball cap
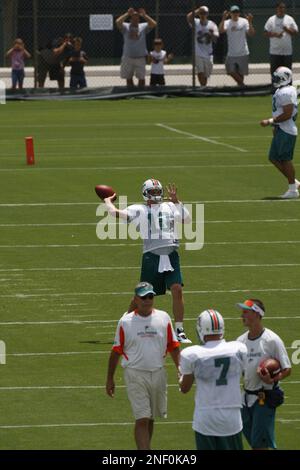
(204, 8)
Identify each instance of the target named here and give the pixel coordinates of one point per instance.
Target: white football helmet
(210, 322)
(282, 77)
(152, 190)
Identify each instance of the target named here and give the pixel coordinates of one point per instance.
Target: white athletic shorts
(133, 66)
(204, 65)
(147, 392)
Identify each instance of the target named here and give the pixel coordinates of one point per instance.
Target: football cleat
(181, 336)
(290, 194)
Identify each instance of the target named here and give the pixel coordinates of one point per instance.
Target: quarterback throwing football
(156, 222)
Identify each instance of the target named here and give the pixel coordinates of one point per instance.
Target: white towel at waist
(164, 264)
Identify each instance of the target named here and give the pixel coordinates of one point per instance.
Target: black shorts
(156, 79)
(280, 61)
(56, 72)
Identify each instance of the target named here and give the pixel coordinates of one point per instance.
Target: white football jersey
(217, 367)
(268, 344)
(157, 224)
(282, 97)
(202, 32)
(144, 341)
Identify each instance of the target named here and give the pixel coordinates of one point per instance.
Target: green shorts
(259, 426)
(160, 281)
(282, 146)
(234, 442)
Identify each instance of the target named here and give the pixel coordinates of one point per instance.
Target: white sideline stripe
(81, 387)
(224, 201)
(122, 268)
(76, 224)
(76, 294)
(68, 353)
(122, 124)
(113, 245)
(78, 322)
(198, 137)
(74, 353)
(63, 425)
(26, 426)
(129, 168)
(65, 387)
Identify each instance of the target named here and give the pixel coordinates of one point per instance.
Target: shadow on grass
(274, 198)
(96, 342)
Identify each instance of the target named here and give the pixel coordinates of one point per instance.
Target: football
(272, 365)
(104, 191)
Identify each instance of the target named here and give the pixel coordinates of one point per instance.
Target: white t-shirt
(157, 66)
(202, 35)
(283, 96)
(145, 341)
(157, 224)
(237, 37)
(283, 45)
(217, 367)
(135, 40)
(268, 344)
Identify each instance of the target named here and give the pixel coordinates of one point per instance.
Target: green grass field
(62, 289)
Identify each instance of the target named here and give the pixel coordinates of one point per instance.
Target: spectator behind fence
(52, 59)
(135, 48)
(237, 29)
(158, 57)
(18, 54)
(206, 32)
(77, 61)
(280, 28)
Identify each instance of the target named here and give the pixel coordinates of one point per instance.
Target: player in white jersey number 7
(155, 221)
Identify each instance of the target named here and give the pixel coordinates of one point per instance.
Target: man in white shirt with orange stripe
(143, 338)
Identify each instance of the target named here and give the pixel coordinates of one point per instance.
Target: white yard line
(23, 296)
(84, 387)
(110, 423)
(75, 224)
(79, 353)
(130, 168)
(95, 203)
(113, 245)
(125, 268)
(198, 137)
(64, 387)
(113, 322)
(30, 426)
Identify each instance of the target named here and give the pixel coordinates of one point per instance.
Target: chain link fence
(41, 24)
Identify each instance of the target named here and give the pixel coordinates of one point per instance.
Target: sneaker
(181, 336)
(290, 194)
(297, 184)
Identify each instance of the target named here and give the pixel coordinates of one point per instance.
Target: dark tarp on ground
(125, 93)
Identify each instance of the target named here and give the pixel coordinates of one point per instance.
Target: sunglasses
(147, 296)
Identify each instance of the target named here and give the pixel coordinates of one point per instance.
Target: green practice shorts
(160, 281)
(234, 442)
(282, 146)
(259, 426)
